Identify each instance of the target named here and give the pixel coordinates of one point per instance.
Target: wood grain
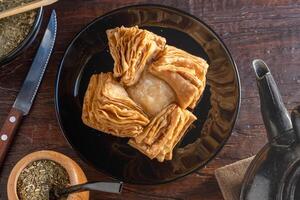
(266, 29)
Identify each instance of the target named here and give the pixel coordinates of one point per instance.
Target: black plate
(217, 111)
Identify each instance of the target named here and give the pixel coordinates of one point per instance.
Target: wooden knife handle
(8, 131)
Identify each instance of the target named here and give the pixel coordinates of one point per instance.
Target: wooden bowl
(76, 174)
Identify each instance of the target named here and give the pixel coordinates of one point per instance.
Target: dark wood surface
(267, 29)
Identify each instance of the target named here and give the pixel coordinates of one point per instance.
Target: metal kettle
(274, 174)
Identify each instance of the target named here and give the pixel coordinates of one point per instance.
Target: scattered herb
(38, 178)
(14, 29)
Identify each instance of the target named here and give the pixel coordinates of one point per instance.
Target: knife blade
(27, 93)
(33, 79)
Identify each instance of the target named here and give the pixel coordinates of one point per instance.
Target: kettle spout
(275, 116)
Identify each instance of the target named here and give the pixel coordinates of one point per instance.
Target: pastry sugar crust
(184, 72)
(132, 49)
(108, 108)
(163, 132)
(152, 94)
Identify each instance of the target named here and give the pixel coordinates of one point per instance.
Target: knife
(29, 88)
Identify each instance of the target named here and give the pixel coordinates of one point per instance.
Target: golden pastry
(152, 93)
(147, 95)
(132, 48)
(108, 108)
(184, 72)
(163, 133)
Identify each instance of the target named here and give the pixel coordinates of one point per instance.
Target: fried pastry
(184, 73)
(108, 108)
(132, 48)
(163, 133)
(152, 93)
(147, 95)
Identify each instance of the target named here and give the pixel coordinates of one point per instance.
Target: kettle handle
(296, 121)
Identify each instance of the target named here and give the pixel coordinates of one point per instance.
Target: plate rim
(57, 80)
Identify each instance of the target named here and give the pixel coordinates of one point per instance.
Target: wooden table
(251, 29)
